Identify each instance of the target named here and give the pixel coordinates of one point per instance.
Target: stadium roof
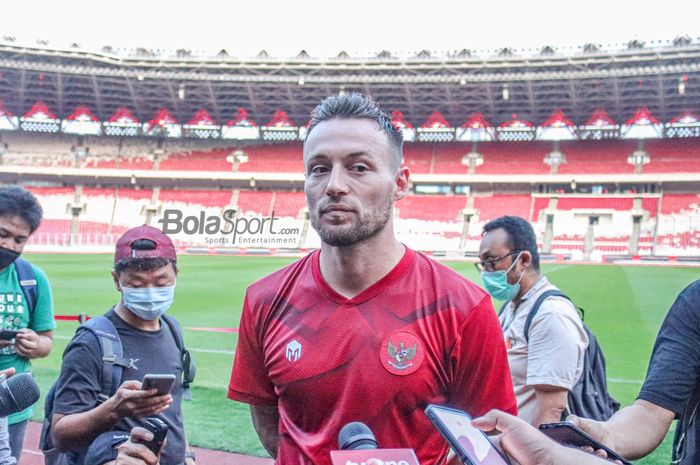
(664, 79)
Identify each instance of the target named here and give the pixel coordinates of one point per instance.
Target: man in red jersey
(365, 329)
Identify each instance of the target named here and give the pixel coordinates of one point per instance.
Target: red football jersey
(422, 334)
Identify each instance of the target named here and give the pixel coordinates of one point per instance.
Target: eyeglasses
(490, 263)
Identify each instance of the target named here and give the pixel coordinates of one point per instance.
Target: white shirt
(554, 355)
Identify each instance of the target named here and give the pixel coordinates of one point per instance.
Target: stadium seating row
(427, 222)
(582, 157)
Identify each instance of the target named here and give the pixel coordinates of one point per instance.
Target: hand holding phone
(8, 334)
(568, 434)
(163, 383)
(159, 429)
(470, 444)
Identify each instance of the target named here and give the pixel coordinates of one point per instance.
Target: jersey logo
(132, 363)
(293, 351)
(402, 353)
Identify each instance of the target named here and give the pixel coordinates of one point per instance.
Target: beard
(363, 226)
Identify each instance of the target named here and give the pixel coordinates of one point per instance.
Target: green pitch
(624, 307)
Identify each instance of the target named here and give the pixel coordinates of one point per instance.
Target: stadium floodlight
(181, 92)
(301, 81)
(681, 84)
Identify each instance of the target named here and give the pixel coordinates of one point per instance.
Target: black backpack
(589, 398)
(27, 281)
(113, 363)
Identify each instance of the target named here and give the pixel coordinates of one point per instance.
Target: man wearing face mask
(546, 366)
(26, 304)
(145, 271)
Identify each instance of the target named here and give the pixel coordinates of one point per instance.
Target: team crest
(402, 353)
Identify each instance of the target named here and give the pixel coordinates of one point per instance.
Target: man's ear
(116, 281)
(402, 183)
(526, 259)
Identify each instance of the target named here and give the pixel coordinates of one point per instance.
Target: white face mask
(148, 303)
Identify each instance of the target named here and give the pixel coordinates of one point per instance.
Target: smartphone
(8, 334)
(568, 434)
(470, 444)
(163, 383)
(159, 429)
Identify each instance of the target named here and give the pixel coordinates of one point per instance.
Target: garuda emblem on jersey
(401, 353)
(402, 356)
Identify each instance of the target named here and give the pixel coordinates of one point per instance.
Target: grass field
(624, 307)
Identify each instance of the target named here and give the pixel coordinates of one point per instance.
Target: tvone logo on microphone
(374, 461)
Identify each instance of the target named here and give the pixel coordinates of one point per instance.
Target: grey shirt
(153, 352)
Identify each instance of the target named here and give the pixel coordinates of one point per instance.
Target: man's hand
(133, 452)
(528, 446)
(596, 429)
(30, 344)
(132, 401)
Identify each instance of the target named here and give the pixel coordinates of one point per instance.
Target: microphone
(356, 436)
(358, 446)
(17, 393)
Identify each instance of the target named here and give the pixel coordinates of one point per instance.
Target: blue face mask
(496, 283)
(148, 303)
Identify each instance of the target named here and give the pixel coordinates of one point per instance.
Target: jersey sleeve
(42, 318)
(482, 379)
(78, 383)
(674, 368)
(249, 381)
(557, 345)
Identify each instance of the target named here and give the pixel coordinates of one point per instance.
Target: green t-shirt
(14, 315)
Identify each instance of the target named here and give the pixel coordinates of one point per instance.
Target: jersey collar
(377, 288)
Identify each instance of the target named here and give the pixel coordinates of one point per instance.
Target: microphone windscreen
(17, 393)
(356, 436)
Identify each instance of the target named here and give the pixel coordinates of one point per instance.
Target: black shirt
(673, 377)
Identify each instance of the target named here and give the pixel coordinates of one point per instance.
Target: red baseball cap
(164, 246)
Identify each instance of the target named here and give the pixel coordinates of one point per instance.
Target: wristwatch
(190, 455)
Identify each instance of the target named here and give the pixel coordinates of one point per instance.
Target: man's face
(496, 254)
(351, 180)
(14, 232)
(159, 277)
